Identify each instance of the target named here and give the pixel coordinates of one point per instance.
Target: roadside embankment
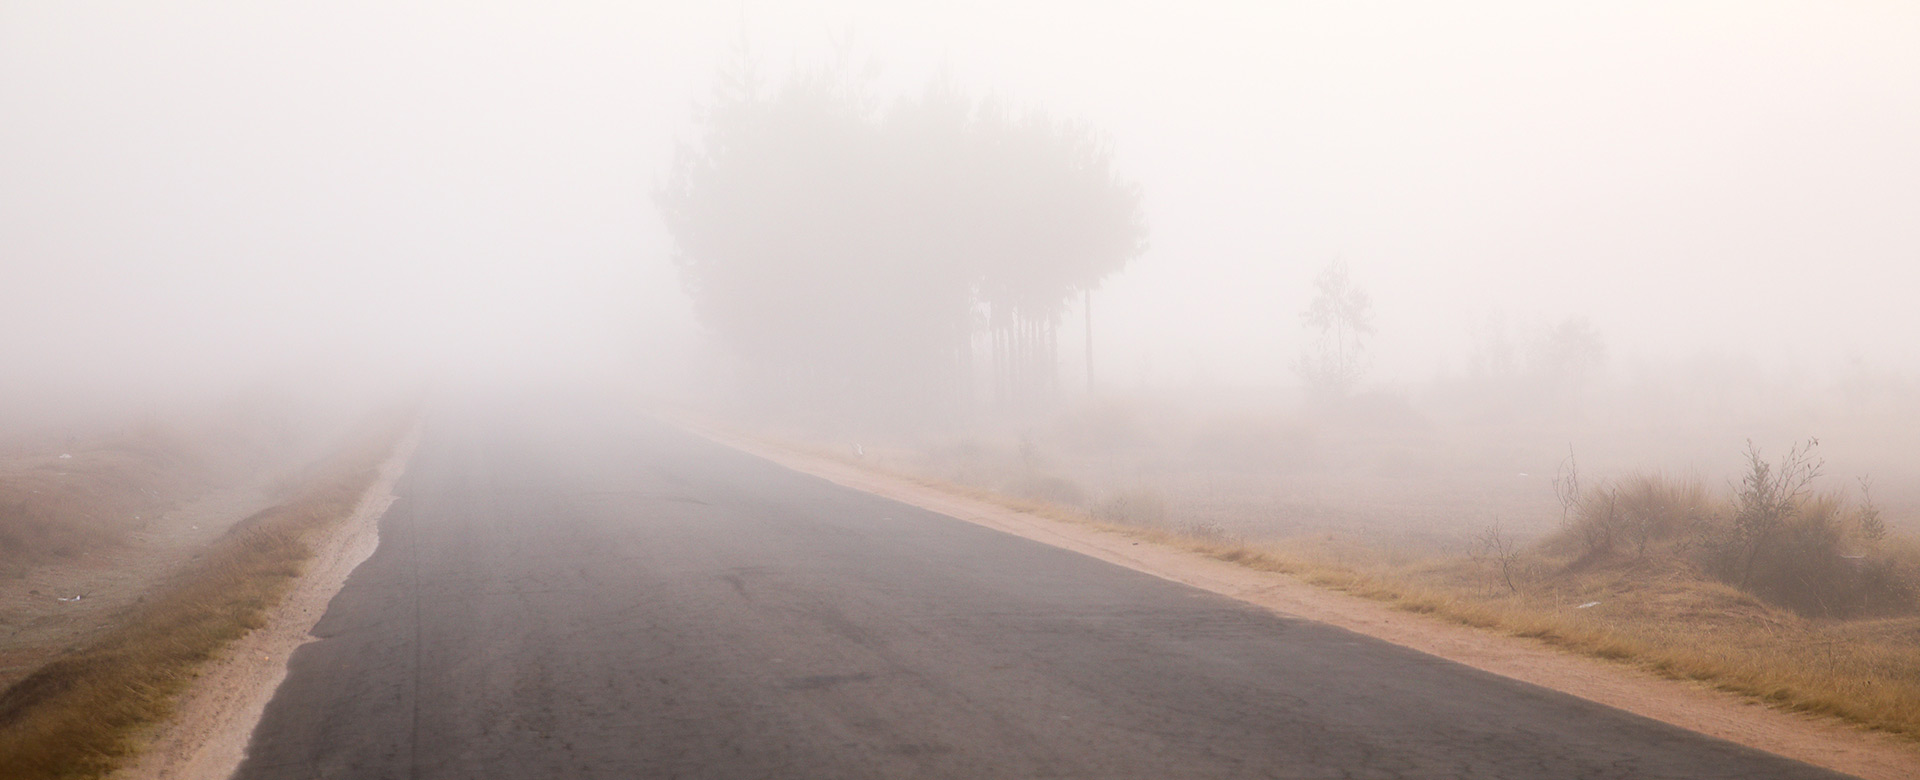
(91, 709)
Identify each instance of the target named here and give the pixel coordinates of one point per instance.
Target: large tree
(846, 249)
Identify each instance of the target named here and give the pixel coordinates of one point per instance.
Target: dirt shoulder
(207, 735)
(1814, 740)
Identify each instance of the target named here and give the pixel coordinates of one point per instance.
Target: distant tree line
(856, 254)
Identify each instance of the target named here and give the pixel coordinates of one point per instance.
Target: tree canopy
(848, 250)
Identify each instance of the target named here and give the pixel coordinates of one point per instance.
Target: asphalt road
(590, 594)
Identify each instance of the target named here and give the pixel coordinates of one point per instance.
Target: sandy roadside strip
(1819, 741)
(213, 722)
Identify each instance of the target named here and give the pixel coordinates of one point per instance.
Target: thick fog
(198, 197)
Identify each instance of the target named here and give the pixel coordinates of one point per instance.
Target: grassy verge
(1864, 671)
(77, 716)
(1656, 611)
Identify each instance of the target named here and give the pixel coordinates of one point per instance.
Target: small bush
(1814, 553)
(1632, 515)
(1818, 554)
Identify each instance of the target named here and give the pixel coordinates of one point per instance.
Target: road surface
(584, 593)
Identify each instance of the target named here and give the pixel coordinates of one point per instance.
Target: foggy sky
(194, 194)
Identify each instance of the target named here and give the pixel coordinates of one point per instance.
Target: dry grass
(77, 717)
(1661, 618)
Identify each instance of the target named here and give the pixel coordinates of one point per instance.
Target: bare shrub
(1495, 547)
(1596, 526)
(1654, 508)
(1768, 497)
(1590, 518)
(1566, 486)
(1810, 552)
(1631, 515)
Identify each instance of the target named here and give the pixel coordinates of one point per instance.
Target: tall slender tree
(1341, 318)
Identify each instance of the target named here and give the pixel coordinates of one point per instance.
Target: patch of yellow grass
(77, 716)
(1866, 672)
